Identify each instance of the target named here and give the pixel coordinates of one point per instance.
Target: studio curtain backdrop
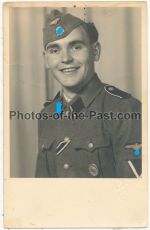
(31, 84)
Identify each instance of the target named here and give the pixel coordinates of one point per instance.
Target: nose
(66, 57)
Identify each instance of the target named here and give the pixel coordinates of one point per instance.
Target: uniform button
(90, 145)
(66, 139)
(93, 169)
(66, 166)
(111, 88)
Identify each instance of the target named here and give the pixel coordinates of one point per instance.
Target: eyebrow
(70, 43)
(76, 41)
(52, 46)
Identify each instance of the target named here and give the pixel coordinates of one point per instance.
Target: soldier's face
(71, 59)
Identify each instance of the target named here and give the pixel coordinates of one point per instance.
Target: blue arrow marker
(58, 107)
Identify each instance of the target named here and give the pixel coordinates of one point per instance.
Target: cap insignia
(55, 21)
(59, 31)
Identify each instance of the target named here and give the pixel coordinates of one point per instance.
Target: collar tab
(78, 105)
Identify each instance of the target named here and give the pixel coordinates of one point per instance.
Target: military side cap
(59, 25)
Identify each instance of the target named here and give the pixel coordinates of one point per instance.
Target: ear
(97, 51)
(45, 57)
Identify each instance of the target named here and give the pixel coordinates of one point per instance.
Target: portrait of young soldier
(88, 147)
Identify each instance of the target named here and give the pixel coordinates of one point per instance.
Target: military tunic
(91, 148)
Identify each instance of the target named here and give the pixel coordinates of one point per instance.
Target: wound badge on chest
(93, 169)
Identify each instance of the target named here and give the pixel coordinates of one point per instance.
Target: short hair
(91, 31)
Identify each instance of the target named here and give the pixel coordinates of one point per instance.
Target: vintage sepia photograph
(75, 114)
(80, 62)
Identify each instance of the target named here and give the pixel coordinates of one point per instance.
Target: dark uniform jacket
(100, 147)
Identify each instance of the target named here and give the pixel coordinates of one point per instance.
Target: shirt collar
(66, 98)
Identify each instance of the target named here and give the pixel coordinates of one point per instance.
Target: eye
(76, 47)
(53, 51)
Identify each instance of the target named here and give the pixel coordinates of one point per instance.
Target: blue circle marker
(59, 30)
(137, 152)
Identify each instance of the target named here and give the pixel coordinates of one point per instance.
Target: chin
(70, 85)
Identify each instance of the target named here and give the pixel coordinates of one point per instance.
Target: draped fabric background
(31, 84)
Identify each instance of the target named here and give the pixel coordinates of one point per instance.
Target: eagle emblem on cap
(55, 21)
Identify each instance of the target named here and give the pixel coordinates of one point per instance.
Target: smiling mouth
(69, 70)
